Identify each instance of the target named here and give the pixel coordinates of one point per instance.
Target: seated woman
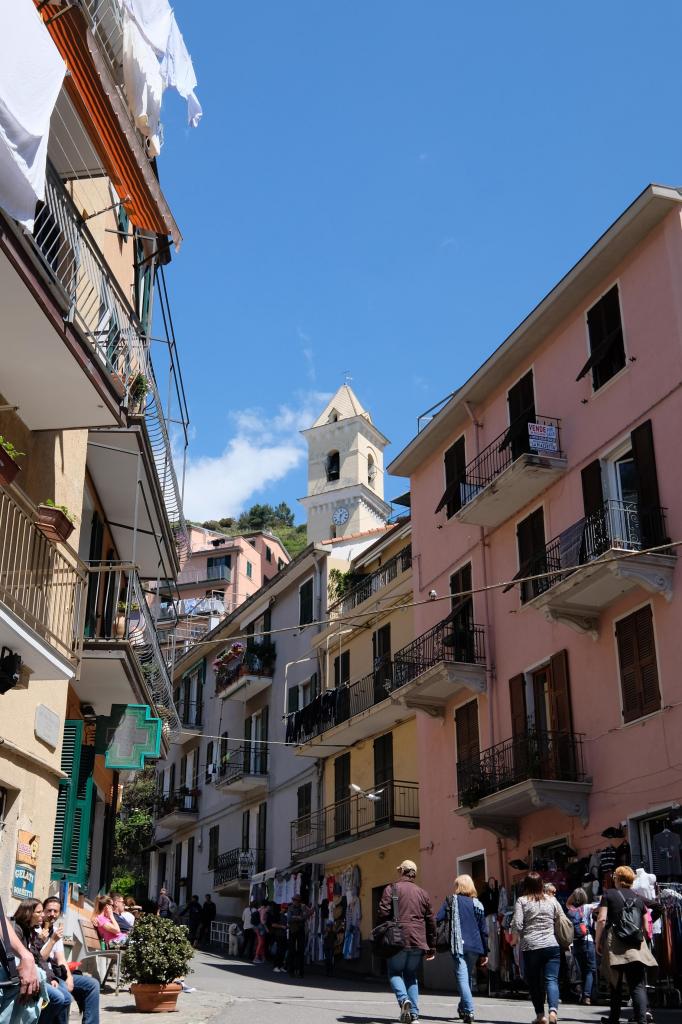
(27, 921)
(105, 922)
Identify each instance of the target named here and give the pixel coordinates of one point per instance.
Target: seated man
(119, 906)
(83, 988)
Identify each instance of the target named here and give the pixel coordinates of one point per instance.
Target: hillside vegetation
(278, 518)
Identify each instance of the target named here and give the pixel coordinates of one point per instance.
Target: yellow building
(364, 732)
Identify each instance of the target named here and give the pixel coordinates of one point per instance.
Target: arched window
(333, 416)
(371, 470)
(332, 466)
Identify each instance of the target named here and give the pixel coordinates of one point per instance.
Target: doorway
(475, 866)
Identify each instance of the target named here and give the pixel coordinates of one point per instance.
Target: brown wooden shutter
(593, 494)
(466, 728)
(642, 439)
(455, 467)
(638, 667)
(517, 699)
(561, 718)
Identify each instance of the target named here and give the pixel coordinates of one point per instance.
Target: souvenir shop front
(651, 844)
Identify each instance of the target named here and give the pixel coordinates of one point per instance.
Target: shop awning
(94, 94)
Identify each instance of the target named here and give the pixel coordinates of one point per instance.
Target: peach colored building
(556, 466)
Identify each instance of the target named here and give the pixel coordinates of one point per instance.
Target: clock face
(340, 516)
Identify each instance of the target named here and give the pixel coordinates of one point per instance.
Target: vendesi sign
(128, 736)
(543, 437)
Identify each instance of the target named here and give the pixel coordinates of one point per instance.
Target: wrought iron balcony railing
(373, 583)
(237, 866)
(183, 801)
(545, 756)
(452, 641)
(257, 660)
(42, 584)
(251, 759)
(93, 300)
(391, 804)
(190, 712)
(618, 526)
(498, 456)
(117, 609)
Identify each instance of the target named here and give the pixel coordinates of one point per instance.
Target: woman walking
(625, 952)
(468, 939)
(579, 912)
(533, 927)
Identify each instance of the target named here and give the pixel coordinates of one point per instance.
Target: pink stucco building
(557, 466)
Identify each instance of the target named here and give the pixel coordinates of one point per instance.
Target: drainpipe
(486, 639)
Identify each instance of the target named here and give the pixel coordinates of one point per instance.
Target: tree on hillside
(134, 831)
(258, 517)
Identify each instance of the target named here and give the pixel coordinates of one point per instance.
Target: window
(292, 700)
(342, 669)
(371, 470)
(638, 667)
(530, 539)
(249, 570)
(268, 554)
(461, 638)
(521, 405)
(304, 796)
(454, 461)
(305, 603)
(332, 466)
(333, 416)
(218, 567)
(209, 761)
(246, 829)
(605, 331)
(213, 846)
(280, 564)
(468, 747)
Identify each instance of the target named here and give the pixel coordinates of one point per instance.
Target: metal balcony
(246, 771)
(513, 470)
(372, 584)
(522, 775)
(597, 560)
(174, 810)
(357, 824)
(247, 675)
(214, 572)
(122, 661)
(424, 675)
(42, 590)
(233, 870)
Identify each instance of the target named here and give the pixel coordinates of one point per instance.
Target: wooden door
(342, 796)
(515, 763)
(383, 776)
(521, 402)
(469, 777)
(459, 641)
(381, 651)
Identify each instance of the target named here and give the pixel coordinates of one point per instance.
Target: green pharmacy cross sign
(128, 736)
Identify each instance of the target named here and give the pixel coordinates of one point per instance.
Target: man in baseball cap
(418, 928)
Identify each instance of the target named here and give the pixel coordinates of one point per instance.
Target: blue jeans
(584, 953)
(402, 972)
(86, 995)
(465, 964)
(57, 1011)
(541, 972)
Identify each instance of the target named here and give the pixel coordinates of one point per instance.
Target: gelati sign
(24, 879)
(24, 882)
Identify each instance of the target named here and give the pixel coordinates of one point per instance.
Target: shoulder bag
(7, 958)
(387, 937)
(563, 928)
(444, 928)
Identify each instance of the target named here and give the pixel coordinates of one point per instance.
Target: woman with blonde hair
(535, 913)
(468, 938)
(625, 951)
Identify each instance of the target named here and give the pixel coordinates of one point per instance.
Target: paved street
(235, 993)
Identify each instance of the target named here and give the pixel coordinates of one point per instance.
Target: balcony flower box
(54, 523)
(9, 467)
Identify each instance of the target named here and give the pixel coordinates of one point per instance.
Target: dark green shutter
(71, 846)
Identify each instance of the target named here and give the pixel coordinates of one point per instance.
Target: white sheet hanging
(143, 83)
(31, 75)
(157, 25)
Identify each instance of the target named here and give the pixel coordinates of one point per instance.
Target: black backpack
(629, 924)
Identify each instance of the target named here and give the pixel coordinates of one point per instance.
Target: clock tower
(345, 470)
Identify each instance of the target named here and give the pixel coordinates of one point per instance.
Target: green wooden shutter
(80, 841)
(71, 846)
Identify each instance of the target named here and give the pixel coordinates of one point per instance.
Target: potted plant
(55, 521)
(120, 626)
(157, 953)
(9, 467)
(138, 392)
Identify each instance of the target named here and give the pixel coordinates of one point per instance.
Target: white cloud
(263, 450)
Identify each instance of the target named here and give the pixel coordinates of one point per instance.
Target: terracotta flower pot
(53, 524)
(8, 468)
(156, 998)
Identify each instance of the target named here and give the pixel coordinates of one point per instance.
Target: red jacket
(415, 914)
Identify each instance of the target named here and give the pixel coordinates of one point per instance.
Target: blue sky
(387, 187)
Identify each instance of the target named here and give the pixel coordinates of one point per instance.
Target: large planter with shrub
(157, 953)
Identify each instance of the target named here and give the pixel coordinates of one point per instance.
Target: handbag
(563, 929)
(444, 928)
(387, 937)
